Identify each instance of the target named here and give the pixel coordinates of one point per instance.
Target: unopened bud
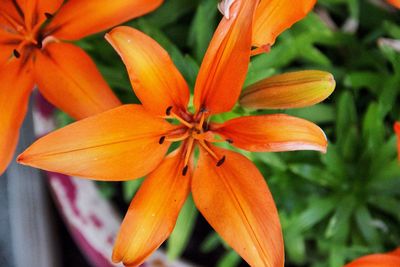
(289, 90)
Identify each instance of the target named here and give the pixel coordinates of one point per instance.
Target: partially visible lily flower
(397, 131)
(271, 19)
(289, 90)
(131, 141)
(31, 52)
(391, 259)
(395, 3)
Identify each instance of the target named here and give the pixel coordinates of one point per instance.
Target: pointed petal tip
(289, 90)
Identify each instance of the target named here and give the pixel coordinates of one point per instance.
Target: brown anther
(168, 111)
(230, 141)
(162, 139)
(185, 170)
(221, 161)
(48, 15)
(16, 53)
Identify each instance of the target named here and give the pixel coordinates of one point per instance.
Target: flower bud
(289, 90)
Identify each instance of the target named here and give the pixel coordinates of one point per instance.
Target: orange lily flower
(397, 131)
(395, 3)
(391, 259)
(131, 141)
(271, 19)
(31, 53)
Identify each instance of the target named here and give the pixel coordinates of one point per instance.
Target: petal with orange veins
(289, 90)
(275, 16)
(272, 133)
(5, 53)
(237, 203)
(153, 212)
(226, 61)
(119, 144)
(16, 83)
(69, 79)
(34, 11)
(77, 19)
(376, 260)
(155, 79)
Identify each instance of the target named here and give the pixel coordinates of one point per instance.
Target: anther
(168, 111)
(48, 15)
(230, 141)
(203, 110)
(162, 139)
(221, 161)
(185, 170)
(16, 53)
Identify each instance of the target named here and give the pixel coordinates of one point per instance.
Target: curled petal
(16, 84)
(154, 77)
(289, 90)
(119, 144)
(69, 79)
(153, 212)
(275, 16)
(272, 133)
(77, 19)
(235, 200)
(226, 61)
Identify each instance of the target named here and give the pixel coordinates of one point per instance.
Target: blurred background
(333, 207)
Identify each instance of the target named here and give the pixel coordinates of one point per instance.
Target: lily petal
(69, 79)
(153, 212)
(289, 90)
(154, 77)
(272, 133)
(16, 85)
(395, 3)
(226, 61)
(35, 10)
(236, 201)
(77, 19)
(376, 260)
(275, 16)
(5, 53)
(119, 144)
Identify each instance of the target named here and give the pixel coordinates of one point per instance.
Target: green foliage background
(335, 206)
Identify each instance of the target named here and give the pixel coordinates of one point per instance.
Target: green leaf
(314, 174)
(202, 28)
(365, 225)
(211, 242)
(180, 236)
(229, 259)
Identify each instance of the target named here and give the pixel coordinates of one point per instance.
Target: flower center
(193, 131)
(24, 37)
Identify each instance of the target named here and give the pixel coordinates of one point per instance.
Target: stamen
(162, 139)
(17, 27)
(178, 138)
(188, 152)
(174, 116)
(206, 148)
(16, 53)
(221, 161)
(185, 170)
